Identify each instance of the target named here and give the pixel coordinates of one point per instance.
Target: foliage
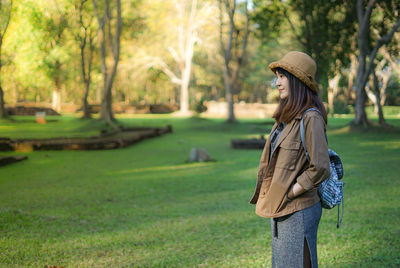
(268, 17)
(323, 29)
(6, 8)
(199, 107)
(49, 22)
(35, 57)
(393, 90)
(142, 206)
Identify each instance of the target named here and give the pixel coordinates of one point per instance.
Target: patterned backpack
(331, 189)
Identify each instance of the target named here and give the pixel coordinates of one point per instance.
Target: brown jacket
(288, 164)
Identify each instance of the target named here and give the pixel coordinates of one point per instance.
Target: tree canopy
(73, 51)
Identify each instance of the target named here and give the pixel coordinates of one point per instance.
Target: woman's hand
(295, 191)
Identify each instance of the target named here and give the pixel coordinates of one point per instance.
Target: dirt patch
(120, 139)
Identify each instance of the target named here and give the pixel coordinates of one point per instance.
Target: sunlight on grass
(169, 168)
(8, 128)
(385, 144)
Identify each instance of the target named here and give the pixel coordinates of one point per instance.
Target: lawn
(144, 206)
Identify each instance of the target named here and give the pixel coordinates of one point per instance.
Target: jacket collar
(265, 158)
(284, 133)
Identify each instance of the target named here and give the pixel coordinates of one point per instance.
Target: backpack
(331, 189)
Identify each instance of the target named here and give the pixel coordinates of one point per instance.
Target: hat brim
(306, 79)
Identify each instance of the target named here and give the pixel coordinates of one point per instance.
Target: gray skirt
(288, 234)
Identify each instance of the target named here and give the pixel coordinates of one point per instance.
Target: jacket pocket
(288, 154)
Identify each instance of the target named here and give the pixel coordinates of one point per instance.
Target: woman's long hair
(300, 98)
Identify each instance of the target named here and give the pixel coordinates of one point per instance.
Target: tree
(333, 87)
(323, 32)
(51, 21)
(182, 26)
(390, 52)
(5, 15)
(187, 37)
(83, 32)
(109, 34)
(234, 50)
(376, 90)
(351, 75)
(382, 72)
(321, 28)
(27, 48)
(365, 68)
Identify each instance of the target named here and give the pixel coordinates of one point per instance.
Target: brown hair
(300, 98)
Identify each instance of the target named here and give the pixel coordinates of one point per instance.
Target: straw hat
(300, 65)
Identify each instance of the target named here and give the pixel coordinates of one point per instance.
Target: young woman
(287, 183)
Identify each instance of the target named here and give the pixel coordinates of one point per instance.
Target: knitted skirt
(288, 234)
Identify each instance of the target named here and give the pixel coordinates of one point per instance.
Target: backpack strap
(338, 211)
(308, 157)
(302, 131)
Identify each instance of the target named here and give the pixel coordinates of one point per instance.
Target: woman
(286, 189)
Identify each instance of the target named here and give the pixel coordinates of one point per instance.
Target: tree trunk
(385, 82)
(363, 45)
(85, 104)
(382, 121)
(332, 91)
(183, 56)
(106, 103)
(380, 79)
(184, 109)
(188, 54)
(370, 90)
(352, 75)
(364, 70)
(229, 96)
(56, 100)
(105, 31)
(3, 112)
(86, 62)
(231, 74)
(56, 103)
(360, 114)
(86, 75)
(387, 74)
(3, 30)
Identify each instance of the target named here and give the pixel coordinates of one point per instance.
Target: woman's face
(282, 84)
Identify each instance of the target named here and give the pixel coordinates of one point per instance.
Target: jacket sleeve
(318, 168)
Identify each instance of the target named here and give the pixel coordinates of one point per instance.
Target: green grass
(388, 111)
(19, 127)
(143, 206)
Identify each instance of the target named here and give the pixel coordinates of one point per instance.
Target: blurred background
(194, 55)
